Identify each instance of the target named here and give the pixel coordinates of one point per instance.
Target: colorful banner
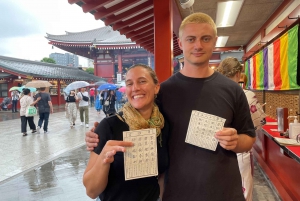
(275, 67)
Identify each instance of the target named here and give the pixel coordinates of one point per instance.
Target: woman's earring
(155, 95)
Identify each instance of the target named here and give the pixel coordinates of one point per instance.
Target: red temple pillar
(95, 66)
(58, 92)
(163, 39)
(120, 61)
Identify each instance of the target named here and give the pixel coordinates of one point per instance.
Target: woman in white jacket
(232, 68)
(25, 102)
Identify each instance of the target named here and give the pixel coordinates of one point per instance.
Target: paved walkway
(49, 167)
(20, 154)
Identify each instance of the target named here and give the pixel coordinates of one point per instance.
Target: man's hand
(228, 138)
(91, 138)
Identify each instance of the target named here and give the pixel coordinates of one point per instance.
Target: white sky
(24, 24)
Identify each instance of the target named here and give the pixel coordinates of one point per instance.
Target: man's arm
(91, 138)
(51, 107)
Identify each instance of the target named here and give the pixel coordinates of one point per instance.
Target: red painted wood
(114, 19)
(276, 32)
(142, 16)
(140, 36)
(139, 25)
(177, 19)
(163, 37)
(140, 31)
(276, 13)
(149, 38)
(93, 6)
(58, 92)
(283, 171)
(120, 62)
(103, 12)
(105, 70)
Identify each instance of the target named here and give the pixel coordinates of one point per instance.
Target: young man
(196, 173)
(15, 95)
(83, 107)
(44, 108)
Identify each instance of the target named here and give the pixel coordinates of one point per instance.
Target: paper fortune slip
(202, 129)
(140, 160)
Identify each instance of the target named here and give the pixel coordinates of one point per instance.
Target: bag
(85, 98)
(106, 103)
(30, 111)
(67, 114)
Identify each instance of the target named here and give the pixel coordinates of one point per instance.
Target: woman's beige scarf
(135, 120)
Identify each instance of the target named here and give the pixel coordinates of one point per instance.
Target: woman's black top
(70, 99)
(117, 189)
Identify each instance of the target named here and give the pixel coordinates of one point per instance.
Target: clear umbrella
(76, 85)
(99, 83)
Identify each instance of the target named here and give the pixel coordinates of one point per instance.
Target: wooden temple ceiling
(135, 19)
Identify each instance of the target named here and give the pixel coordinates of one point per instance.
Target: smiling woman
(104, 175)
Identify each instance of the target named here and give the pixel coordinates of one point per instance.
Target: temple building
(18, 72)
(112, 52)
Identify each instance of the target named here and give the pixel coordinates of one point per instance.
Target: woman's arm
(35, 102)
(95, 177)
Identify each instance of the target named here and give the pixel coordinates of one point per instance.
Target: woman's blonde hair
(229, 67)
(197, 18)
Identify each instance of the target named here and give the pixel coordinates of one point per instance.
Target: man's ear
(179, 43)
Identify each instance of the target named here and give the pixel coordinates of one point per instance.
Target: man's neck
(197, 71)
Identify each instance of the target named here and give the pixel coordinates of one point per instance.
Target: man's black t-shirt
(43, 105)
(195, 173)
(117, 189)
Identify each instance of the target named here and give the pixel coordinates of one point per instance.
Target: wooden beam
(114, 19)
(93, 6)
(103, 12)
(138, 18)
(73, 1)
(145, 39)
(140, 36)
(147, 43)
(140, 31)
(137, 26)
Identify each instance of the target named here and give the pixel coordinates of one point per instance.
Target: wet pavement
(49, 167)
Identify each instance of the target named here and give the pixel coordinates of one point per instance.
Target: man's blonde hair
(197, 18)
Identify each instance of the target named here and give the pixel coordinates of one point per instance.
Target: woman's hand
(111, 148)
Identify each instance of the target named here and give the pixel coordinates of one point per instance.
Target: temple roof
(44, 70)
(104, 35)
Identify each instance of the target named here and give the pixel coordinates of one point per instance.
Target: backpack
(85, 98)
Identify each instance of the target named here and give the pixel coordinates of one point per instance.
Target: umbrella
(107, 86)
(99, 83)
(92, 88)
(77, 85)
(32, 89)
(38, 84)
(14, 88)
(122, 89)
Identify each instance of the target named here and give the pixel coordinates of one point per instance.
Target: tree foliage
(48, 60)
(90, 70)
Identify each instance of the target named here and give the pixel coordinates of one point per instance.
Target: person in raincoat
(99, 101)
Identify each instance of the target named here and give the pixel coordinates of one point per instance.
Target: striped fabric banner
(275, 67)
